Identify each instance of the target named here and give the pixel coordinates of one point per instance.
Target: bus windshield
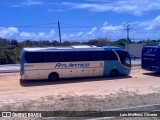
(124, 58)
(127, 61)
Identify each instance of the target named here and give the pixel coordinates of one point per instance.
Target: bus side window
(110, 55)
(97, 55)
(67, 56)
(27, 56)
(50, 57)
(83, 56)
(33, 57)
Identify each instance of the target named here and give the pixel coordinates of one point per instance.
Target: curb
(153, 107)
(9, 71)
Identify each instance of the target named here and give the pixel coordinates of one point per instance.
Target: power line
(33, 25)
(78, 25)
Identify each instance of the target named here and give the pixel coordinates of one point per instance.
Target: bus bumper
(152, 68)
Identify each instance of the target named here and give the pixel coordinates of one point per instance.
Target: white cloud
(79, 34)
(14, 33)
(26, 35)
(55, 10)
(92, 31)
(39, 36)
(28, 3)
(109, 27)
(72, 35)
(8, 32)
(50, 10)
(129, 6)
(153, 24)
(64, 36)
(136, 7)
(149, 24)
(140, 30)
(88, 6)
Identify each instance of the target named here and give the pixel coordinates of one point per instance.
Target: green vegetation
(10, 50)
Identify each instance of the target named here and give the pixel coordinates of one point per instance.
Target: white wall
(134, 49)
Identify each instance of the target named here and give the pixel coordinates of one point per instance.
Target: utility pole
(59, 32)
(128, 28)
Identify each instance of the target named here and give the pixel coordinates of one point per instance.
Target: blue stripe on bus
(109, 66)
(115, 65)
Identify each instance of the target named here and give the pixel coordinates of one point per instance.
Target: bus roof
(110, 47)
(73, 48)
(113, 47)
(77, 48)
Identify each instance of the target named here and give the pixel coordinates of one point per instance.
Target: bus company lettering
(81, 65)
(149, 53)
(145, 54)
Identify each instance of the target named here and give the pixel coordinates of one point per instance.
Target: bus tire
(53, 77)
(114, 73)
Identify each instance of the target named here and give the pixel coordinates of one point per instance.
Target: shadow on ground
(154, 74)
(27, 83)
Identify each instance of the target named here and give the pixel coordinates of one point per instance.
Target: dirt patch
(84, 103)
(83, 94)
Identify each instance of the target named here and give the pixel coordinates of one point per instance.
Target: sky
(80, 20)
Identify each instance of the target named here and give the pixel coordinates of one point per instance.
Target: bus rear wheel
(114, 73)
(53, 77)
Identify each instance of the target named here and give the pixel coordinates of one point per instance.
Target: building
(134, 49)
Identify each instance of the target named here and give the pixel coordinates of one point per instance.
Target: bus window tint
(127, 61)
(83, 56)
(124, 58)
(67, 56)
(110, 55)
(50, 57)
(33, 57)
(97, 55)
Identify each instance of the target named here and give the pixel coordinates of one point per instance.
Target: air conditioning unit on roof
(84, 46)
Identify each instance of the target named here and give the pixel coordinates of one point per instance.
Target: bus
(151, 58)
(53, 63)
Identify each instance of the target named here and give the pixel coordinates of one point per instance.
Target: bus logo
(148, 53)
(71, 65)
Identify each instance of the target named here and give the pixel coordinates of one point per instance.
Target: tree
(3, 59)
(4, 42)
(14, 42)
(121, 43)
(55, 43)
(66, 43)
(99, 42)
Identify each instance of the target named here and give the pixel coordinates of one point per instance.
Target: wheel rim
(114, 73)
(53, 77)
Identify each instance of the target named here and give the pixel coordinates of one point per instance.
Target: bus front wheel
(114, 73)
(53, 77)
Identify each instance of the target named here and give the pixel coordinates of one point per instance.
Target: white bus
(76, 61)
